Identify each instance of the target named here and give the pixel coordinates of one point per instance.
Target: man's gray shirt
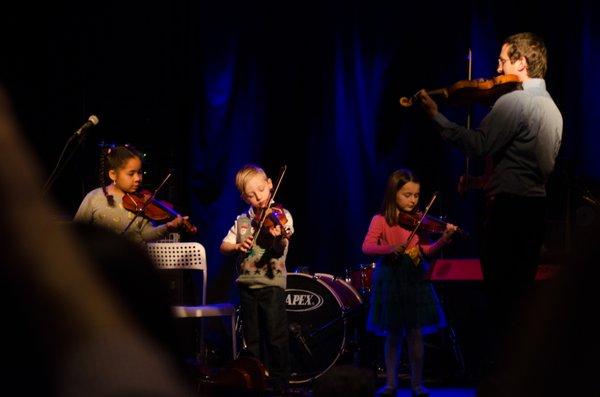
(522, 133)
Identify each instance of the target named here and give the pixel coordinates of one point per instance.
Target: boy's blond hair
(247, 172)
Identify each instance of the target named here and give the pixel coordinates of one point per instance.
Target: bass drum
(319, 308)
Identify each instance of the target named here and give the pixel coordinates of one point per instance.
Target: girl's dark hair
(112, 158)
(395, 182)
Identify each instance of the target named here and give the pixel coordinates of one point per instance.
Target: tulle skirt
(402, 299)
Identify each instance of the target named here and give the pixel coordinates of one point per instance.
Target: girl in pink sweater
(402, 303)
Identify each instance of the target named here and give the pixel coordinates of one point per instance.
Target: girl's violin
(465, 92)
(429, 224)
(157, 210)
(275, 216)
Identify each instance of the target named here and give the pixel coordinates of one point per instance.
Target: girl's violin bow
(412, 234)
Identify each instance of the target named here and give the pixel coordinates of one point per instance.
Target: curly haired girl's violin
(157, 210)
(465, 92)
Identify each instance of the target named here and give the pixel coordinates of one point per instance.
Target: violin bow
(146, 203)
(412, 234)
(271, 198)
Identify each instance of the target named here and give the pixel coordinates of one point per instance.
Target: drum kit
(327, 321)
(324, 314)
(326, 318)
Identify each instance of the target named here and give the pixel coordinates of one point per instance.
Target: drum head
(317, 326)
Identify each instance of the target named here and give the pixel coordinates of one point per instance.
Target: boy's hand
(275, 231)
(246, 245)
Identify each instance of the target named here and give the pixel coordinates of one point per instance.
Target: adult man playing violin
(522, 134)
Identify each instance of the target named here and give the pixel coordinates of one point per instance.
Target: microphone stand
(60, 164)
(296, 331)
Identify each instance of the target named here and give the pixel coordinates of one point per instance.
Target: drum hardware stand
(324, 327)
(345, 315)
(456, 350)
(458, 356)
(348, 277)
(296, 331)
(239, 330)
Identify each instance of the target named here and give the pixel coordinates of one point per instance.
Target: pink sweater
(382, 239)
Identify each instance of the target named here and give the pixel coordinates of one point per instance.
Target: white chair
(192, 256)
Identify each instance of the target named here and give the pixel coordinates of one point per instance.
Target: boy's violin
(272, 215)
(143, 202)
(275, 216)
(465, 92)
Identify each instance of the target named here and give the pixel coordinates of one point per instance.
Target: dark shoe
(420, 391)
(278, 388)
(386, 391)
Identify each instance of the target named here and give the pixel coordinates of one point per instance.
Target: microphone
(92, 121)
